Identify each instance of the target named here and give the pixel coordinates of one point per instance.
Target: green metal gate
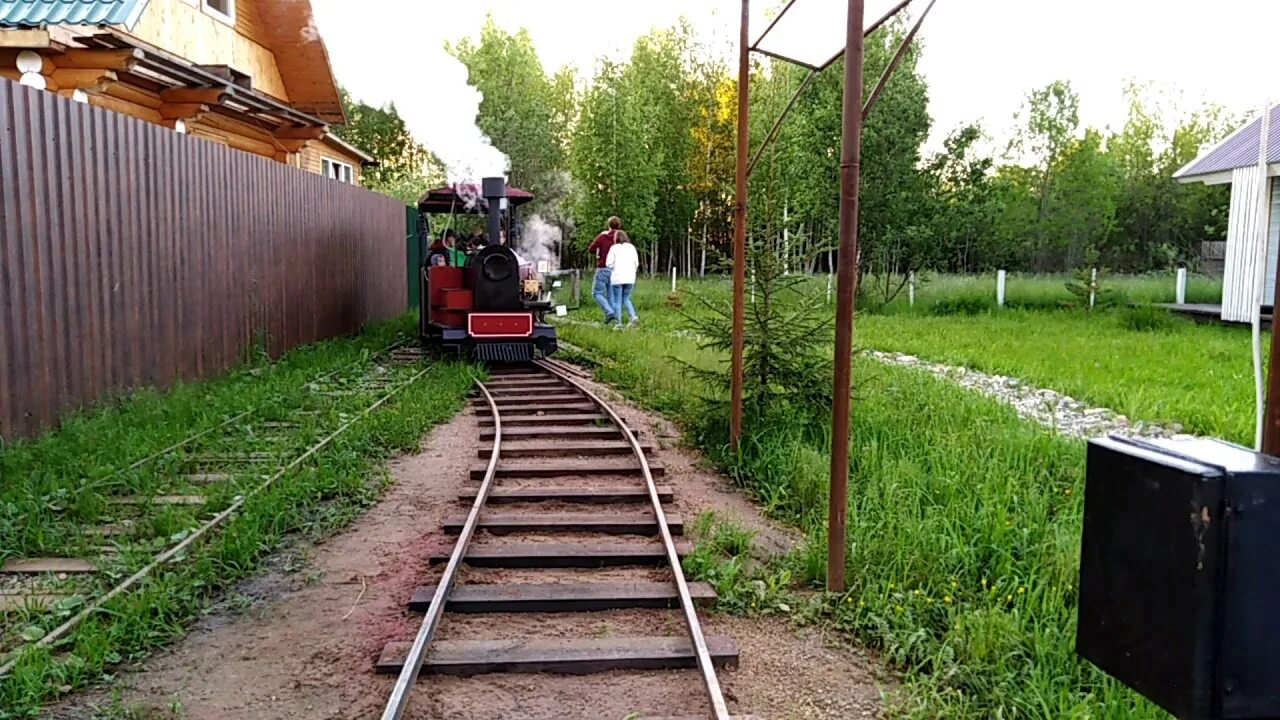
(412, 255)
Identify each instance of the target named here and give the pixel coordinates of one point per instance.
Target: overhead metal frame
(853, 113)
(755, 46)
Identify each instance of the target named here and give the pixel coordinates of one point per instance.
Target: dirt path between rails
(303, 637)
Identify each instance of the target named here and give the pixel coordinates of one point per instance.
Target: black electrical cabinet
(1180, 574)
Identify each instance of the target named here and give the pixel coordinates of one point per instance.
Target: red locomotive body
(486, 310)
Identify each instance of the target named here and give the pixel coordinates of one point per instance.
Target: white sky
(981, 56)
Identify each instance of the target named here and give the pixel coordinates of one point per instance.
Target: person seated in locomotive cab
(438, 254)
(457, 256)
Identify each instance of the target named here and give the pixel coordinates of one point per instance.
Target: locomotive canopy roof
(447, 199)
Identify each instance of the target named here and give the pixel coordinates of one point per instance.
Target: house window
(337, 170)
(224, 10)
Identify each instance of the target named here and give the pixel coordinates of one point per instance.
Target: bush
(963, 305)
(1147, 318)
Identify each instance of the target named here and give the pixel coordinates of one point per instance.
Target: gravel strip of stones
(1063, 413)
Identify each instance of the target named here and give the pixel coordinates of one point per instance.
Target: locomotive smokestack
(495, 194)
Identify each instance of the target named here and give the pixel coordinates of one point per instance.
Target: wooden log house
(250, 74)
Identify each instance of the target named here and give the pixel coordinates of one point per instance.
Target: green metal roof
(36, 13)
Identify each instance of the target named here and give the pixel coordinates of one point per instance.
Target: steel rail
(399, 700)
(709, 679)
(164, 557)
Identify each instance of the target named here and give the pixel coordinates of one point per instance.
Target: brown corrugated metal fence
(132, 255)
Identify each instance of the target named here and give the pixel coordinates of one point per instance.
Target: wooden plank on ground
(536, 408)
(562, 597)
(116, 529)
(525, 389)
(593, 496)
(158, 500)
(564, 555)
(27, 566)
(573, 656)
(255, 457)
(18, 601)
(503, 400)
(526, 469)
(207, 478)
(513, 448)
(633, 523)
(577, 419)
(553, 432)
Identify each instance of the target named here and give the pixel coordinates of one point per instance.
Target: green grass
(1030, 291)
(70, 474)
(963, 540)
(1142, 362)
(1200, 376)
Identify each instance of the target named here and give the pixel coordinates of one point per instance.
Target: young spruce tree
(786, 354)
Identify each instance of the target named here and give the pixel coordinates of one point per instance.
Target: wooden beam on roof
(9, 59)
(239, 128)
(81, 78)
(309, 132)
(25, 38)
(110, 59)
(9, 73)
(135, 95)
(293, 145)
(182, 111)
(202, 128)
(210, 95)
(124, 107)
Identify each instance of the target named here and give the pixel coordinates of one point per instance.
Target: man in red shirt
(600, 289)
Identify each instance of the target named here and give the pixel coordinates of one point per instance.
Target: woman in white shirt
(623, 263)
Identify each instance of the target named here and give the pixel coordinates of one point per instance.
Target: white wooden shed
(1234, 160)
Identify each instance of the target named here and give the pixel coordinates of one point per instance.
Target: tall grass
(315, 498)
(1043, 292)
(963, 530)
(1150, 366)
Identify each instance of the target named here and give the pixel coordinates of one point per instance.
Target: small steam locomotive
(491, 309)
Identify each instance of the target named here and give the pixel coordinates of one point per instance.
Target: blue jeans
(621, 299)
(602, 292)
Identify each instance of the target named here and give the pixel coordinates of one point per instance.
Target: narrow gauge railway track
(364, 381)
(557, 455)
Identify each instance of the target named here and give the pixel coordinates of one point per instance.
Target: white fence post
(1093, 287)
(1180, 295)
(1000, 279)
(911, 288)
(673, 279)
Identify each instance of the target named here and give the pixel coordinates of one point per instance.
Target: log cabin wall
(182, 28)
(134, 256)
(314, 152)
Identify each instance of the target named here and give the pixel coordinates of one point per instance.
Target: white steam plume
(392, 51)
(538, 242)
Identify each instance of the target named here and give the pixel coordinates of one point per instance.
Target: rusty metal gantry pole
(846, 291)
(740, 230)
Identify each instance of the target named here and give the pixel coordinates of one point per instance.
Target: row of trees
(651, 138)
